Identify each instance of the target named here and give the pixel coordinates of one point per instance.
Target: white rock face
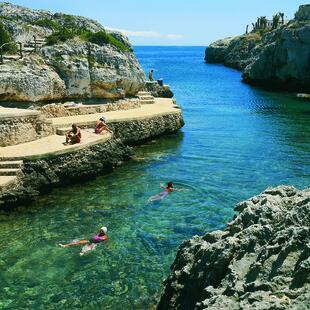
(30, 80)
(73, 69)
(279, 58)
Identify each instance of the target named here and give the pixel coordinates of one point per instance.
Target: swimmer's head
(102, 118)
(103, 229)
(170, 184)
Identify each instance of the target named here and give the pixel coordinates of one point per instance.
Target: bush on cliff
(60, 36)
(48, 23)
(102, 37)
(5, 37)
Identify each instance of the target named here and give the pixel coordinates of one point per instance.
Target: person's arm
(77, 132)
(161, 184)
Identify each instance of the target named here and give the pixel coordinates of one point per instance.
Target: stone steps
(10, 171)
(143, 93)
(6, 181)
(28, 49)
(14, 164)
(145, 97)
(11, 57)
(147, 101)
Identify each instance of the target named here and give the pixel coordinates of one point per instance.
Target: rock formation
(72, 67)
(277, 58)
(157, 90)
(261, 261)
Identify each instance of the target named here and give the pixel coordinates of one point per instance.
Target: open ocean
(237, 141)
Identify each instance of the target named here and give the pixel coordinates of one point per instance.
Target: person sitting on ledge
(151, 78)
(102, 126)
(74, 135)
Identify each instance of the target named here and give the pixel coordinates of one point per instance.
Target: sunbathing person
(102, 126)
(74, 135)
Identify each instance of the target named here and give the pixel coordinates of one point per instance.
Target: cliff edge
(261, 261)
(277, 58)
(58, 56)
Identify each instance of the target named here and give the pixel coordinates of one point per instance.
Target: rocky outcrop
(234, 52)
(76, 68)
(278, 58)
(261, 261)
(157, 90)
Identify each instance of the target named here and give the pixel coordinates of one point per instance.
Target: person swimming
(168, 189)
(91, 243)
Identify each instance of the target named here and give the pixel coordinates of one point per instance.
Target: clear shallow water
(237, 141)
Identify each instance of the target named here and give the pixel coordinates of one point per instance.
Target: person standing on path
(151, 78)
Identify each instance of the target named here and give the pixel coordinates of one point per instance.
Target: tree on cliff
(6, 37)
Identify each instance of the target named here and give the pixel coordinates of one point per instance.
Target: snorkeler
(91, 243)
(168, 189)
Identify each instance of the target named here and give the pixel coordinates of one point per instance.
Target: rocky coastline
(261, 260)
(277, 59)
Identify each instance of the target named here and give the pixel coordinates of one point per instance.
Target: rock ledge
(261, 261)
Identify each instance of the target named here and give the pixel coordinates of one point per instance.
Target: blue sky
(171, 22)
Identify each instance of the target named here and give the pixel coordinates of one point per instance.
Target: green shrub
(101, 38)
(48, 23)
(60, 36)
(6, 37)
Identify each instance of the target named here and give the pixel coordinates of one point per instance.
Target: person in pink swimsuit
(100, 237)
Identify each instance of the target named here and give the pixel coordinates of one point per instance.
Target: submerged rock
(261, 261)
(278, 58)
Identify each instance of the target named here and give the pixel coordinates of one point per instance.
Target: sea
(237, 141)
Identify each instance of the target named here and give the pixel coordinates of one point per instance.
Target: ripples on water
(237, 141)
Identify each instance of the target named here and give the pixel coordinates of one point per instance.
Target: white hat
(104, 229)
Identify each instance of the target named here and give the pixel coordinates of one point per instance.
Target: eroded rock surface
(279, 58)
(157, 90)
(262, 260)
(75, 68)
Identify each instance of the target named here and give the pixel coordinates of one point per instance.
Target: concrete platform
(51, 145)
(162, 106)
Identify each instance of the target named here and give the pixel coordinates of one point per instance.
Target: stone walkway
(54, 144)
(50, 145)
(161, 106)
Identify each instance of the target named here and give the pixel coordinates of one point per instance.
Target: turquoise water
(237, 141)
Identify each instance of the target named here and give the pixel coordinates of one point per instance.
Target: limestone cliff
(75, 57)
(277, 58)
(261, 261)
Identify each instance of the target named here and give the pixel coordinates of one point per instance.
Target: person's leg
(75, 139)
(68, 136)
(74, 243)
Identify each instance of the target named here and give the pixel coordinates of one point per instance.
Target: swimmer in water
(91, 243)
(168, 189)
